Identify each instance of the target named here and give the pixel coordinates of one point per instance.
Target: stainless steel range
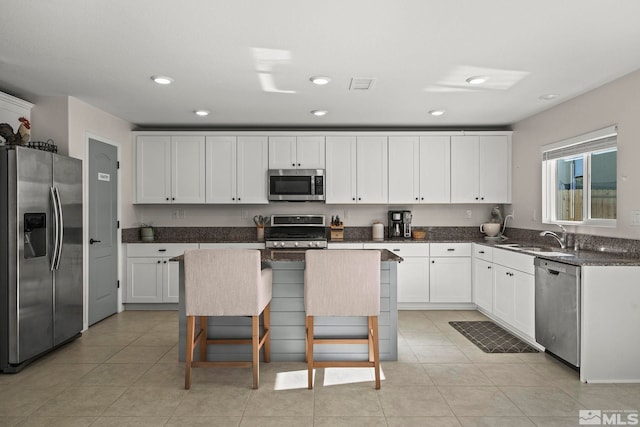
(297, 232)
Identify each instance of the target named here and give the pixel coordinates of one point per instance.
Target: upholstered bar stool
(226, 282)
(342, 283)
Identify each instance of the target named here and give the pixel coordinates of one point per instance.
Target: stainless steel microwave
(296, 185)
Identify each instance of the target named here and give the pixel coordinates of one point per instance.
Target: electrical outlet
(469, 214)
(635, 218)
(175, 214)
(534, 215)
(244, 213)
(181, 214)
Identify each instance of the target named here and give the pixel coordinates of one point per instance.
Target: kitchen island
(288, 316)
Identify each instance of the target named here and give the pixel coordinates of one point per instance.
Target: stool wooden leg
(370, 338)
(376, 350)
(306, 339)
(255, 346)
(309, 323)
(267, 331)
(203, 338)
(191, 320)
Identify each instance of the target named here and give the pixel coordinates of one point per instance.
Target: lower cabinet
(514, 290)
(483, 284)
(151, 277)
(450, 272)
(413, 271)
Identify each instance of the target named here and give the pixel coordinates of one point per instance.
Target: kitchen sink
(533, 249)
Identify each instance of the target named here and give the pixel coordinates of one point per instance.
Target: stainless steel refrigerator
(41, 294)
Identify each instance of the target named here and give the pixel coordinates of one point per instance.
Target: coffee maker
(399, 224)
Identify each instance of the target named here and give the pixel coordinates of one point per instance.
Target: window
(579, 179)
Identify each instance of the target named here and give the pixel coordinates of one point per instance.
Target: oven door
(296, 185)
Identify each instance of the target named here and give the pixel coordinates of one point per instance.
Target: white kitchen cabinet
(481, 169)
(483, 277)
(419, 169)
(296, 152)
(170, 169)
(236, 169)
(503, 293)
(413, 272)
(450, 272)
(151, 277)
(514, 290)
(356, 170)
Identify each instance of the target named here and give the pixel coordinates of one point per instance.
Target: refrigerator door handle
(61, 228)
(56, 229)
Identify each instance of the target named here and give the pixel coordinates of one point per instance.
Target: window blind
(599, 140)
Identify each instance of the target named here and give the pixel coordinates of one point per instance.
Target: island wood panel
(288, 322)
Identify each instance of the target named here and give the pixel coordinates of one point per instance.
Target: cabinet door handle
(489, 267)
(92, 241)
(450, 250)
(162, 250)
(167, 198)
(480, 252)
(165, 262)
(159, 261)
(298, 164)
(233, 198)
(433, 262)
(293, 164)
(396, 250)
(353, 198)
(416, 198)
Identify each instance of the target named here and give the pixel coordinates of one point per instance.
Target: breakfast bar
(288, 316)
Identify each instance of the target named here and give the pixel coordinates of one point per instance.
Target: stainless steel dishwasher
(558, 309)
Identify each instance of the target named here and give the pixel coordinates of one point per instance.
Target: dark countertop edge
(581, 258)
(284, 255)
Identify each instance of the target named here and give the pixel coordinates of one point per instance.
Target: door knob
(92, 241)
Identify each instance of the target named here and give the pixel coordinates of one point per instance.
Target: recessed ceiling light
(477, 80)
(320, 80)
(548, 96)
(319, 113)
(436, 112)
(202, 113)
(162, 80)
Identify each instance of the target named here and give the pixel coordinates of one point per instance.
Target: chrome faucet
(562, 239)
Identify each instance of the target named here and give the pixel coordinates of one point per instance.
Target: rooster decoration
(21, 137)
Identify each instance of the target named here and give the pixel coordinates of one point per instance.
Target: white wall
(352, 215)
(614, 103)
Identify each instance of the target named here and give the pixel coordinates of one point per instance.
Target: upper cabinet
(170, 169)
(357, 169)
(236, 169)
(481, 169)
(370, 168)
(296, 152)
(419, 169)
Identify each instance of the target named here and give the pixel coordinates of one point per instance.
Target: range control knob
(295, 244)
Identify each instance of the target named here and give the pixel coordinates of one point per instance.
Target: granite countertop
(294, 255)
(574, 257)
(594, 250)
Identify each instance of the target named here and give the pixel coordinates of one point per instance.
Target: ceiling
(249, 62)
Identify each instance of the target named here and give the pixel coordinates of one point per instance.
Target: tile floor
(124, 372)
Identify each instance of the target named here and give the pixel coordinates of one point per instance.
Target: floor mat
(491, 338)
